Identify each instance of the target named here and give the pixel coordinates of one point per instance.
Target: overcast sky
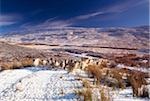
(35, 14)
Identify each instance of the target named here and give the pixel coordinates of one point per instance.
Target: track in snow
(36, 84)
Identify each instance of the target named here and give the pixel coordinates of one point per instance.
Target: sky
(46, 14)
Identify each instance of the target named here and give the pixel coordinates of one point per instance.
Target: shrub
(137, 81)
(114, 78)
(86, 83)
(103, 95)
(117, 76)
(7, 65)
(95, 71)
(17, 64)
(86, 93)
(27, 62)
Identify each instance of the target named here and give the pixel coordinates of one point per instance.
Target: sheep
(37, 62)
(45, 62)
(19, 86)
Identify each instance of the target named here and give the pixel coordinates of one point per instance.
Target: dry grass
(116, 75)
(17, 64)
(86, 83)
(103, 64)
(86, 93)
(70, 65)
(137, 80)
(103, 95)
(6, 65)
(133, 60)
(27, 62)
(113, 77)
(96, 72)
(101, 72)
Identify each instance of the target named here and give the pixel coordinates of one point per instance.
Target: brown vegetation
(115, 74)
(96, 72)
(138, 83)
(25, 62)
(103, 95)
(85, 93)
(70, 65)
(86, 84)
(5, 66)
(133, 60)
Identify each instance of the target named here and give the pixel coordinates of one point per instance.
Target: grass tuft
(85, 93)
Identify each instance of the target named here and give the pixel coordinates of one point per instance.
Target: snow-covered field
(145, 70)
(37, 84)
(42, 84)
(126, 95)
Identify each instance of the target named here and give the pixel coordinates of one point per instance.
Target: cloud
(6, 23)
(118, 7)
(9, 19)
(48, 24)
(114, 8)
(54, 24)
(87, 16)
(124, 6)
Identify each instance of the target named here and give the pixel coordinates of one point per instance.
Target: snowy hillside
(41, 84)
(37, 84)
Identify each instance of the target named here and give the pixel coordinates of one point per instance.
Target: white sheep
(57, 63)
(19, 86)
(37, 62)
(45, 62)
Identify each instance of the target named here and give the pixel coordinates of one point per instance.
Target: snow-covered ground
(84, 55)
(37, 84)
(42, 84)
(126, 95)
(146, 70)
(115, 94)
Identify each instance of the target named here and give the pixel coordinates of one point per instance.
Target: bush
(17, 64)
(86, 83)
(95, 71)
(114, 77)
(7, 65)
(27, 62)
(103, 95)
(86, 93)
(137, 81)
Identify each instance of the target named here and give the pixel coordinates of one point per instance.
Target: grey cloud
(9, 19)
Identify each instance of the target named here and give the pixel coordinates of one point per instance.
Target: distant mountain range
(134, 37)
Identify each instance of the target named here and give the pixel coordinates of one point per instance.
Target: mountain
(120, 37)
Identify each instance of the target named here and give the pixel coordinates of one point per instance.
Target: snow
(126, 95)
(43, 84)
(146, 70)
(38, 84)
(84, 55)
